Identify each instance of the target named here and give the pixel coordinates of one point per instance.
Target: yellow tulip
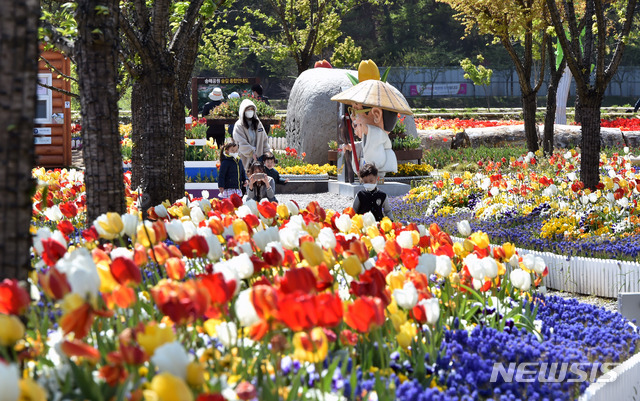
(107, 282)
(368, 70)
(480, 239)
(71, 302)
(312, 347)
(195, 374)
(313, 228)
(210, 327)
(357, 221)
(468, 245)
(509, 250)
(31, 391)
(406, 334)
(395, 280)
(459, 249)
(145, 235)
(386, 224)
(167, 387)
(283, 211)
(312, 253)
(415, 236)
(352, 266)
(11, 330)
(154, 336)
(239, 226)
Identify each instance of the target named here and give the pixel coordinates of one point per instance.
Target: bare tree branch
(53, 88)
(57, 70)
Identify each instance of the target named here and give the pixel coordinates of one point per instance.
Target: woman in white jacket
(249, 134)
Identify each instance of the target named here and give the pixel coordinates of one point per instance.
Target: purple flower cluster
(573, 333)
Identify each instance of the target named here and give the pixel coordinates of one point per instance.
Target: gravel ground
(339, 202)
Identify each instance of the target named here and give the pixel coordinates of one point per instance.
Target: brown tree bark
(590, 158)
(96, 55)
(18, 77)
(529, 108)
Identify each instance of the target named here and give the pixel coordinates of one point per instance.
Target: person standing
(231, 178)
(249, 134)
(215, 130)
(258, 93)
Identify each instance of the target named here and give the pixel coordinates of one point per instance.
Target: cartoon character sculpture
(374, 107)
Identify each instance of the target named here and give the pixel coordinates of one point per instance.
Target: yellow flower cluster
(412, 169)
(125, 130)
(309, 169)
(565, 225)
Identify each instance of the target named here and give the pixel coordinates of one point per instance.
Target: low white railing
(278, 143)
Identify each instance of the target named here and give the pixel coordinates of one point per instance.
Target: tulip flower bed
(220, 300)
(457, 124)
(538, 203)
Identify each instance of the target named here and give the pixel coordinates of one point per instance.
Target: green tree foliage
(478, 74)
(277, 32)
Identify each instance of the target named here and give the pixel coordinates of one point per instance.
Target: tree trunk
(552, 97)
(96, 57)
(18, 77)
(158, 127)
(590, 116)
(529, 105)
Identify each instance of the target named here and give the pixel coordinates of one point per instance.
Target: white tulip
(175, 230)
(53, 213)
(101, 231)
(289, 238)
(172, 358)
(514, 261)
(293, 209)
(427, 264)
(432, 309)
(244, 210)
(378, 243)
(443, 265)
(405, 240)
(252, 205)
(197, 215)
(205, 194)
(464, 228)
(572, 176)
(121, 252)
(494, 191)
(245, 311)
(215, 248)
(130, 223)
(368, 220)
(529, 261)
(227, 333)
(539, 265)
(593, 197)
(623, 202)
(228, 272)
(81, 271)
(327, 238)
(161, 211)
(243, 265)
(490, 267)
(344, 223)
(407, 297)
(9, 378)
(477, 284)
(263, 237)
(520, 279)
(190, 229)
(275, 245)
(42, 234)
(475, 266)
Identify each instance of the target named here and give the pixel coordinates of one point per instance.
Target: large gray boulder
(312, 118)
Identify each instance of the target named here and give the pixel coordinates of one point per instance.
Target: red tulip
(13, 298)
(195, 247)
(66, 227)
(267, 209)
(54, 283)
(330, 307)
(80, 349)
(298, 279)
(53, 251)
(125, 271)
(298, 311)
(220, 290)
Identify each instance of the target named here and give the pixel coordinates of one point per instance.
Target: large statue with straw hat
(374, 107)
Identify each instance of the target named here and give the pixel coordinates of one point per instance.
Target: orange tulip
(54, 283)
(125, 271)
(364, 314)
(265, 301)
(80, 349)
(175, 268)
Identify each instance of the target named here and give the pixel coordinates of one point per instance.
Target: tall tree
(281, 29)
(513, 23)
(605, 26)
(18, 77)
(159, 48)
(92, 45)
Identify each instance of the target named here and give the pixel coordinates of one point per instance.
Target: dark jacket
(375, 202)
(273, 173)
(215, 129)
(230, 170)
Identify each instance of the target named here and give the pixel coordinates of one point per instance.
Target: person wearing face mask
(231, 177)
(371, 199)
(249, 134)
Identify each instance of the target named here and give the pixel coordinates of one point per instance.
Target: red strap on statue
(353, 144)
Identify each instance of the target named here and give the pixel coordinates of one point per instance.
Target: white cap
(233, 94)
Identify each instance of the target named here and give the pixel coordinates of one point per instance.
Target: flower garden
(209, 299)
